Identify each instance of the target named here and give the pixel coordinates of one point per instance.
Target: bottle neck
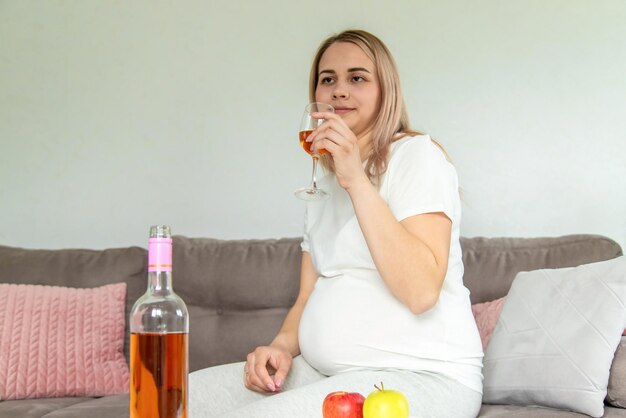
(160, 265)
(160, 282)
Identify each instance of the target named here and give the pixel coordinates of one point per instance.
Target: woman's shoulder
(418, 147)
(414, 140)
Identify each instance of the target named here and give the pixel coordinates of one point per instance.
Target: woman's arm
(412, 255)
(276, 358)
(287, 337)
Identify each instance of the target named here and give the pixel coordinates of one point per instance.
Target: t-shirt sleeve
(421, 180)
(304, 245)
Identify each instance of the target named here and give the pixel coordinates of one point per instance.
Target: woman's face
(348, 81)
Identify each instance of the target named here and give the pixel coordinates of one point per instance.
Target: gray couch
(238, 293)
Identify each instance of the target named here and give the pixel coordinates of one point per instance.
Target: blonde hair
(392, 121)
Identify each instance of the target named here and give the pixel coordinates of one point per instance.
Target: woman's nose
(340, 93)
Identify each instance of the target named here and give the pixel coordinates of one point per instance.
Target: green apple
(383, 403)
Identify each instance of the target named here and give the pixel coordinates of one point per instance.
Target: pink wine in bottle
(159, 330)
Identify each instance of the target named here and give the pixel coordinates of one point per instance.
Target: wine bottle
(159, 330)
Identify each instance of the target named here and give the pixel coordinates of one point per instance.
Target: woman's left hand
(339, 140)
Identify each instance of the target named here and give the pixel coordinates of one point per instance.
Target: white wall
(117, 115)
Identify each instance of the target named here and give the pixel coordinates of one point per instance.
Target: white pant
(219, 392)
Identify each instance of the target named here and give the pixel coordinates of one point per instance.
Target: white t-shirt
(351, 320)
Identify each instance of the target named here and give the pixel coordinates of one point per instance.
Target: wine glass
(308, 125)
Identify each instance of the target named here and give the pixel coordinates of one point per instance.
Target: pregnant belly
(352, 323)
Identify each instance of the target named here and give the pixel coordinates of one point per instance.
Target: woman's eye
(357, 78)
(326, 80)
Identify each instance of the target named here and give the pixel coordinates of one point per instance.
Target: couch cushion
(517, 411)
(616, 395)
(492, 263)
(556, 337)
(237, 292)
(108, 407)
(36, 408)
(78, 268)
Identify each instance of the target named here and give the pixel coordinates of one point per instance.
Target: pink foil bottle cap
(160, 249)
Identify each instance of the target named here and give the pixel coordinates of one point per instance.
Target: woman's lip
(341, 110)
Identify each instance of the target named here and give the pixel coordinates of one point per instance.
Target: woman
(381, 293)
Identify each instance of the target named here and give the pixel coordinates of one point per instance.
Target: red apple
(343, 405)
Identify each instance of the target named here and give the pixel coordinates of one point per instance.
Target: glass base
(310, 194)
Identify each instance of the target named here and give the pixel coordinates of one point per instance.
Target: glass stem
(313, 178)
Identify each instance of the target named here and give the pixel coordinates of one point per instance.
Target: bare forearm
(406, 264)
(287, 337)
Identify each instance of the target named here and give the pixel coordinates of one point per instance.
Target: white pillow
(556, 336)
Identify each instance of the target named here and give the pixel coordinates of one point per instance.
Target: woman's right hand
(266, 369)
(336, 137)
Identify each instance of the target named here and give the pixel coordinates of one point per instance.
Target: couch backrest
(492, 263)
(78, 268)
(238, 291)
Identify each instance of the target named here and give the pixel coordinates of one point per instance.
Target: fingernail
(271, 387)
(279, 383)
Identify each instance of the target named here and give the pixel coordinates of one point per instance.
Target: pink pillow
(60, 341)
(486, 315)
